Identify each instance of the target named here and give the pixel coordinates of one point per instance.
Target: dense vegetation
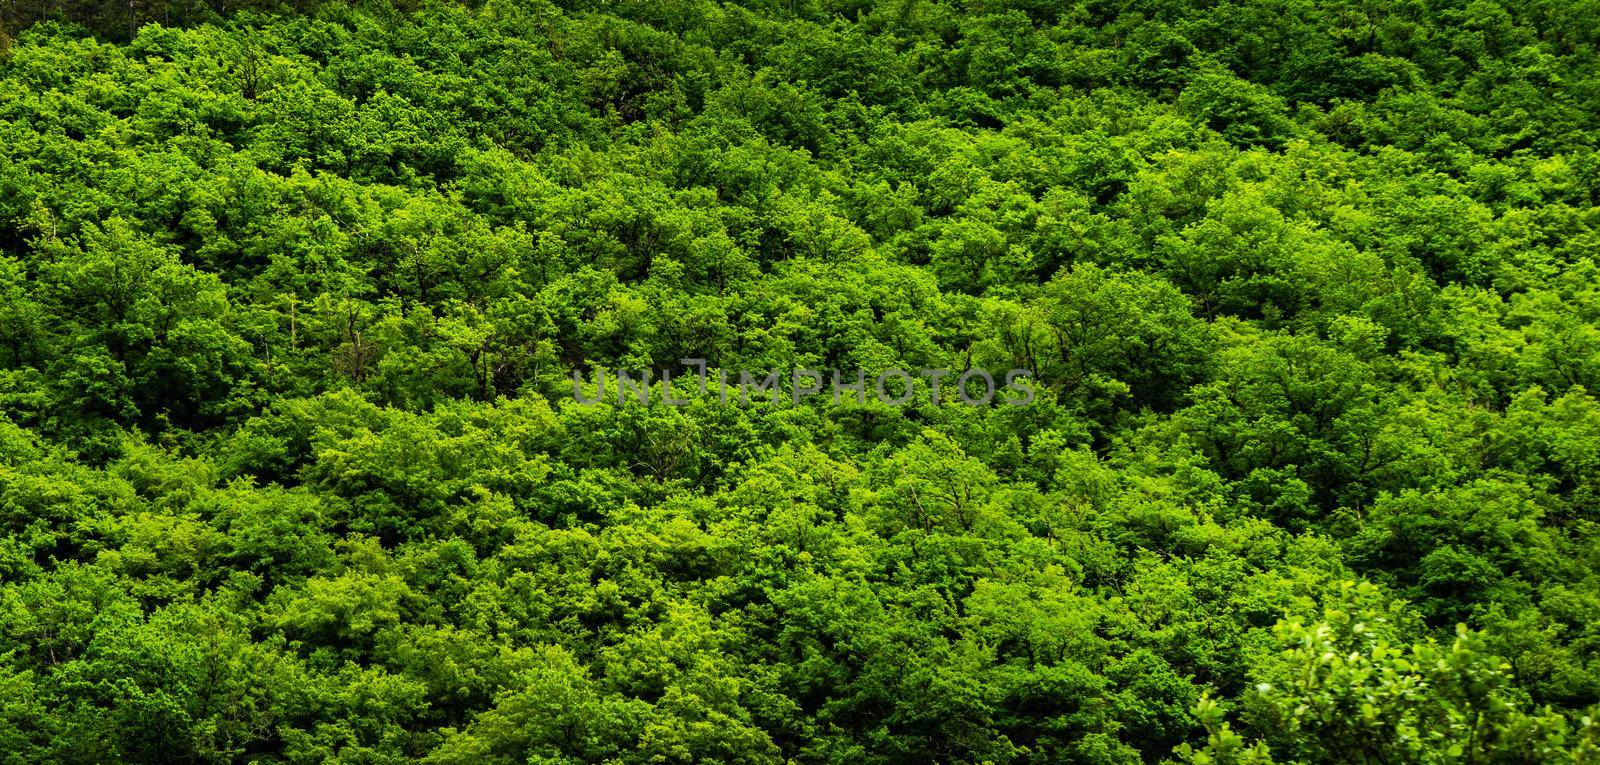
(291, 299)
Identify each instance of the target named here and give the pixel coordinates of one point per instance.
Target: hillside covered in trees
(292, 297)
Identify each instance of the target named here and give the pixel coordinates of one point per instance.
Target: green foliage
(1341, 691)
(292, 295)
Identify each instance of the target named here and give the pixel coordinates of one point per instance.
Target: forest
(293, 296)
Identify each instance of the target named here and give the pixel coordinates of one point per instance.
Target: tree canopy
(292, 295)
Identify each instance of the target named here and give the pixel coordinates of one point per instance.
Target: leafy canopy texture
(292, 296)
